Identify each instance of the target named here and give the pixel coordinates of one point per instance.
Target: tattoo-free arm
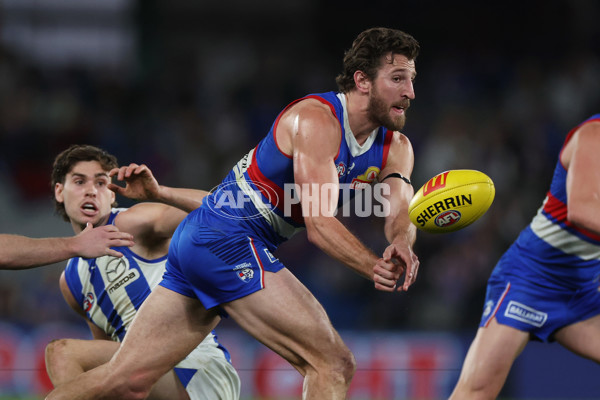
(141, 185)
(583, 177)
(399, 230)
(316, 137)
(21, 252)
(162, 207)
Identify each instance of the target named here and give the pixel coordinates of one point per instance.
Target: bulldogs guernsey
(561, 250)
(110, 290)
(551, 264)
(265, 175)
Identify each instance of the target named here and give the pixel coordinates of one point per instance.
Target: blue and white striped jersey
(110, 290)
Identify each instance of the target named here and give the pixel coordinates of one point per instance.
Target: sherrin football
(451, 200)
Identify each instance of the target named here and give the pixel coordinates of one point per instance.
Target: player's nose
(409, 90)
(91, 190)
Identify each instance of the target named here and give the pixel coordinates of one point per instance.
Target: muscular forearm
(331, 236)
(400, 229)
(20, 252)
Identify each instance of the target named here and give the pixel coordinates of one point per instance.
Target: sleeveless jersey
(548, 278)
(563, 251)
(110, 290)
(258, 192)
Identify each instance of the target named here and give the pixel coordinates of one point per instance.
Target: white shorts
(207, 373)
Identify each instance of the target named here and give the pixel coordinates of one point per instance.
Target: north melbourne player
(108, 291)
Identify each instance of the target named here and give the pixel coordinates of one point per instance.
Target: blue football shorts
(216, 266)
(532, 303)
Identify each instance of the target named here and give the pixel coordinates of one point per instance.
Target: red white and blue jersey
(265, 174)
(549, 278)
(562, 250)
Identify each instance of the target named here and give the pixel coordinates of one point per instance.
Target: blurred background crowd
(188, 87)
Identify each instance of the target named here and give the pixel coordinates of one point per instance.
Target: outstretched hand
(397, 260)
(140, 184)
(97, 242)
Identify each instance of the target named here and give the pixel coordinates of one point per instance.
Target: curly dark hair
(65, 161)
(367, 50)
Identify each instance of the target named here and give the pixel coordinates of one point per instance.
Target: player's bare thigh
(582, 338)
(286, 317)
(167, 327)
(489, 360)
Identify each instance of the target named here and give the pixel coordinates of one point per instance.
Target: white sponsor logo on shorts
(523, 313)
(242, 266)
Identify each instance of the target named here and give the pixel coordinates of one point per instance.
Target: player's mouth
(400, 108)
(89, 208)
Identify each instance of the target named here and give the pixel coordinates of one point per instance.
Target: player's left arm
(583, 177)
(399, 230)
(162, 207)
(316, 139)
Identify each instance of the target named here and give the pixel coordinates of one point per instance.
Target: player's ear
(362, 81)
(58, 192)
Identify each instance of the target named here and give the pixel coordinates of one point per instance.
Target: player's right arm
(315, 138)
(162, 208)
(583, 177)
(97, 333)
(141, 185)
(21, 252)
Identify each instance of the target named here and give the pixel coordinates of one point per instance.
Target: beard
(379, 112)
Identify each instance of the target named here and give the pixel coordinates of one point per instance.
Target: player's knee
(341, 364)
(473, 389)
(346, 367)
(347, 364)
(56, 351)
(57, 357)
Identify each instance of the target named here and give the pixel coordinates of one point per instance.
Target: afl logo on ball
(447, 218)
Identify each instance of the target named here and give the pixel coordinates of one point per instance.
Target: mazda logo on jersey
(132, 275)
(115, 268)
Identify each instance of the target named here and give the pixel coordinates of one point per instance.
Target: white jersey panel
(111, 289)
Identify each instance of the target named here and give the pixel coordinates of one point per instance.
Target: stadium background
(189, 86)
